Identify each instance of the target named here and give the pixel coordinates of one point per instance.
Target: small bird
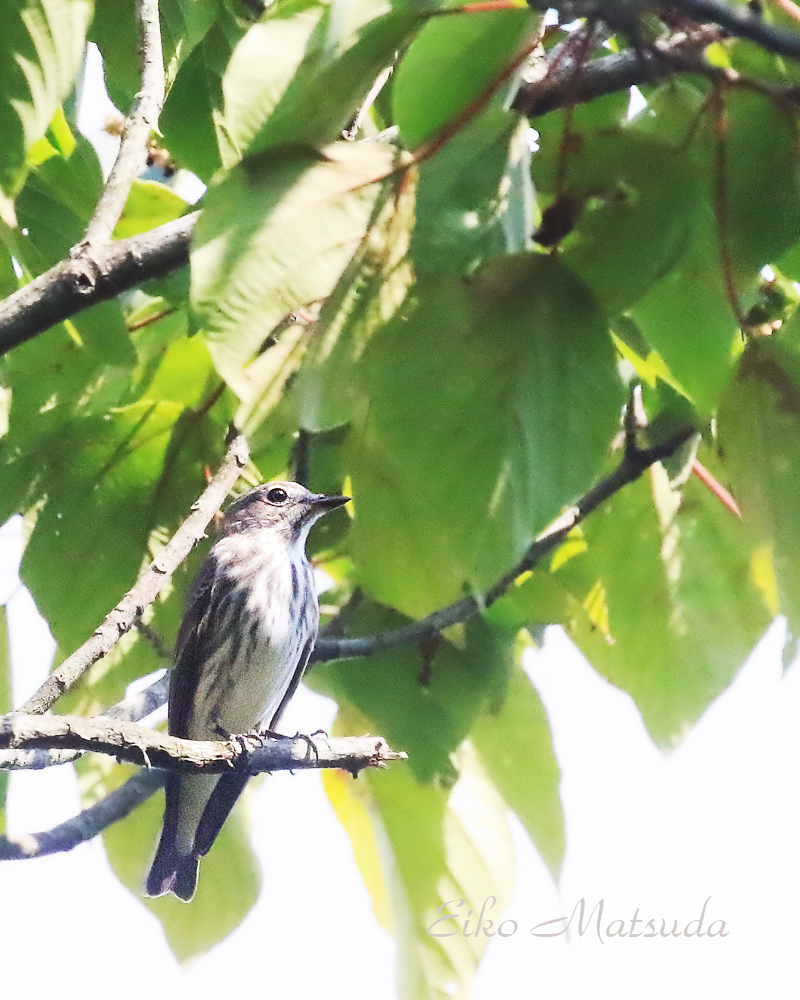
(249, 627)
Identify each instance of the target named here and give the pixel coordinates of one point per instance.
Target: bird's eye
(277, 495)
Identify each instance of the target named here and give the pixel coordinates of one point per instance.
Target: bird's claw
(309, 741)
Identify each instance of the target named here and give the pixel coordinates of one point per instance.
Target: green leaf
(184, 24)
(759, 434)
(666, 607)
(275, 235)
(101, 498)
(450, 63)
(114, 30)
(184, 372)
(516, 748)
(477, 389)
(687, 316)
(621, 201)
(57, 202)
(300, 75)
(443, 853)
(103, 331)
(108, 481)
(536, 599)
(227, 889)
(39, 59)
(474, 197)
(424, 708)
(192, 111)
(260, 69)
(369, 292)
(149, 205)
(762, 191)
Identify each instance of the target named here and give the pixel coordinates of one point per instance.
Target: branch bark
(141, 120)
(565, 85)
(131, 709)
(127, 741)
(739, 20)
(123, 616)
(98, 274)
(87, 824)
(136, 744)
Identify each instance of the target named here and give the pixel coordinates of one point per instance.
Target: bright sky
(717, 817)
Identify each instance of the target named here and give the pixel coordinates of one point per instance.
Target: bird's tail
(175, 870)
(172, 871)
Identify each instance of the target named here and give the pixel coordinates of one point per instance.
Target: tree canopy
(448, 262)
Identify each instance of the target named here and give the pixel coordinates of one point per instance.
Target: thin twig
(123, 616)
(633, 464)
(721, 202)
(155, 638)
(790, 8)
(142, 119)
(87, 824)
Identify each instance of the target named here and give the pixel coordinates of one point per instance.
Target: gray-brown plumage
(250, 624)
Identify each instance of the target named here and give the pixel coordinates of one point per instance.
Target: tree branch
(634, 463)
(133, 743)
(562, 86)
(141, 120)
(739, 20)
(144, 592)
(98, 274)
(87, 824)
(136, 744)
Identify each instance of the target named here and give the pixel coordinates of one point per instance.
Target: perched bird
(249, 627)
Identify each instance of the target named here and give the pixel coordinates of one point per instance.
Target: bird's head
(287, 508)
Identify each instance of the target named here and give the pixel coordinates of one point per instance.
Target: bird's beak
(330, 500)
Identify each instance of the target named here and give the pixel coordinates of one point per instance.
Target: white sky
(717, 817)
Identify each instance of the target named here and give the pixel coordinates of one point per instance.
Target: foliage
(478, 318)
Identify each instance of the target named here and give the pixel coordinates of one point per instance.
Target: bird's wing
(197, 640)
(173, 871)
(230, 786)
(302, 663)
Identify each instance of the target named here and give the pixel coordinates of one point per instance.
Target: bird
(249, 626)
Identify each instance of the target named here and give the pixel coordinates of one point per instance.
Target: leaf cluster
(398, 288)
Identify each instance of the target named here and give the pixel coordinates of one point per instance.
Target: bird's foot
(309, 741)
(247, 741)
